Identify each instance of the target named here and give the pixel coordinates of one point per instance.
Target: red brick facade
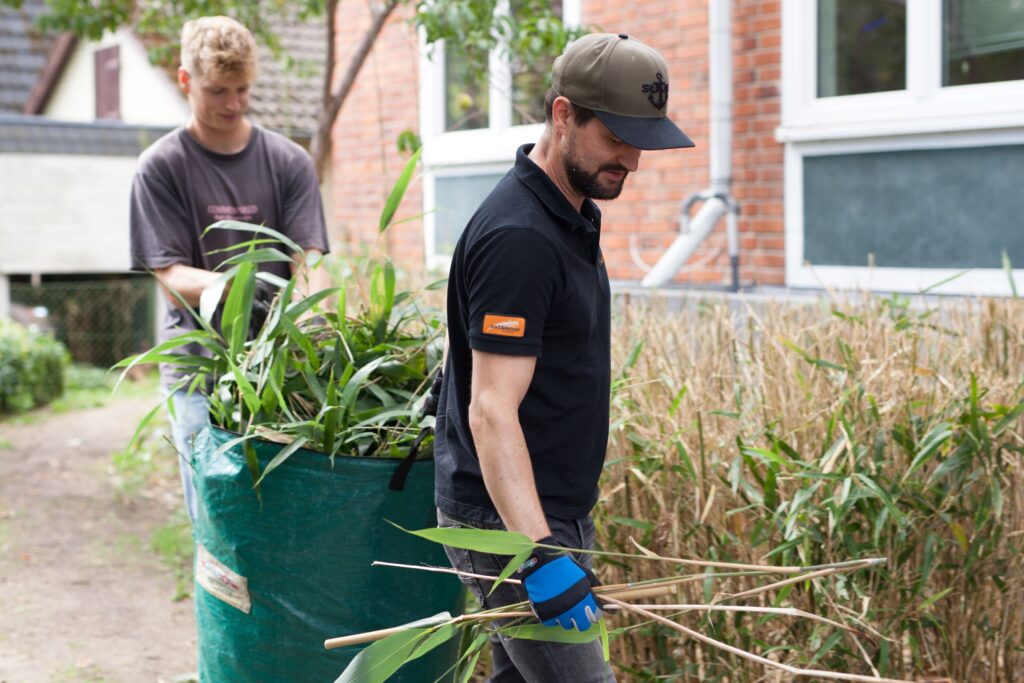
(385, 102)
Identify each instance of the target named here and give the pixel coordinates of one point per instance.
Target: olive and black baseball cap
(625, 83)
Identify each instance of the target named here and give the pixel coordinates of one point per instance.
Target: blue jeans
(191, 414)
(531, 661)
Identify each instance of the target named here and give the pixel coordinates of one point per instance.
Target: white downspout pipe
(717, 201)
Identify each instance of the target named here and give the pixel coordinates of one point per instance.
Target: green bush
(31, 368)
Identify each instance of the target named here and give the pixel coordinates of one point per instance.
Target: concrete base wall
(64, 213)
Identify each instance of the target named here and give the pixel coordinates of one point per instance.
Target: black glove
(434, 397)
(559, 588)
(262, 299)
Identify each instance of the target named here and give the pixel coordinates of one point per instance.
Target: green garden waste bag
(274, 581)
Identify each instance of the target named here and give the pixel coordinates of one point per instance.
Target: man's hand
(559, 589)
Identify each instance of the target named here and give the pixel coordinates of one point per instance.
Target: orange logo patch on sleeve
(504, 325)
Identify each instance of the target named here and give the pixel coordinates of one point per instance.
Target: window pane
(530, 83)
(906, 209)
(862, 46)
(983, 41)
(456, 199)
(465, 92)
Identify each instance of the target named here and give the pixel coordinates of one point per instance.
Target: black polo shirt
(528, 279)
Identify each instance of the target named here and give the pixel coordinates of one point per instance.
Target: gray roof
(39, 135)
(284, 99)
(23, 53)
(288, 100)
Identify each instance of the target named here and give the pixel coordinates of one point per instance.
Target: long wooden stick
(624, 591)
(612, 606)
(796, 671)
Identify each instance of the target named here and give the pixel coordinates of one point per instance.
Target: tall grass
(807, 434)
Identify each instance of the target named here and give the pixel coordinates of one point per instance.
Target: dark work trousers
(530, 661)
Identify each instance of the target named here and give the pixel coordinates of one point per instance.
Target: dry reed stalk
(743, 654)
(714, 377)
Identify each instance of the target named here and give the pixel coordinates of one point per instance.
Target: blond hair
(217, 47)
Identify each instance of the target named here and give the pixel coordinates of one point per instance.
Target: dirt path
(83, 596)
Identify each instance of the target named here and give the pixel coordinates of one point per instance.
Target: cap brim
(645, 133)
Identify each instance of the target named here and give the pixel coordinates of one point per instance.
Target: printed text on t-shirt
(225, 212)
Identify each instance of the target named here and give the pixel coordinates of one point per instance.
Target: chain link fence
(101, 319)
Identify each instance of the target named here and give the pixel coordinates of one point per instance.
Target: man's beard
(588, 184)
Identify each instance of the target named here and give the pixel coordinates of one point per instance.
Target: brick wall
(365, 159)
(645, 219)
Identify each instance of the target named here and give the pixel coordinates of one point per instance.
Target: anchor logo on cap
(657, 91)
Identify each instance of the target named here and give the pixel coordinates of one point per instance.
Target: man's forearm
(186, 281)
(508, 472)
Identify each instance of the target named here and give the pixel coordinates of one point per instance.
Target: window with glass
(983, 41)
(862, 46)
(480, 117)
(457, 198)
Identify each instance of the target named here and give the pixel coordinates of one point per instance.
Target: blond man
(218, 166)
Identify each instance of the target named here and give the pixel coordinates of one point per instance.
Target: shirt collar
(530, 174)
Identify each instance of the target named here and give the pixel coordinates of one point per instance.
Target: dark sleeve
(513, 276)
(303, 211)
(160, 228)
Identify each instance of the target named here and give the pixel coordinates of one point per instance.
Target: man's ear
(561, 112)
(184, 80)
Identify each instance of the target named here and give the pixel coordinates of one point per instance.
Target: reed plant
(806, 434)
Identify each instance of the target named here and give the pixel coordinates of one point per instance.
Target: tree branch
(320, 147)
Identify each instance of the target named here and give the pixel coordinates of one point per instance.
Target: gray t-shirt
(180, 188)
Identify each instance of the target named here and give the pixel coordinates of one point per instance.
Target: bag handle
(401, 472)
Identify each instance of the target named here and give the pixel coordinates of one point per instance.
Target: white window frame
(927, 115)
(468, 152)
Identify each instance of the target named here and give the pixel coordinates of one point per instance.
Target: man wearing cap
(522, 422)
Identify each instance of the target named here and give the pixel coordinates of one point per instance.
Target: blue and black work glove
(559, 589)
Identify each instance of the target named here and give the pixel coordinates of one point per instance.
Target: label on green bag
(220, 582)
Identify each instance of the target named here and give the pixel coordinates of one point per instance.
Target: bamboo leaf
(471, 656)
(960, 535)
(257, 230)
(253, 463)
(398, 191)
(771, 456)
(156, 352)
(296, 310)
(330, 416)
(355, 383)
(1008, 267)
(551, 634)
(492, 541)
(212, 294)
(929, 445)
(382, 297)
(512, 565)
(238, 309)
(441, 635)
(826, 647)
(281, 456)
(935, 598)
(261, 256)
(380, 660)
